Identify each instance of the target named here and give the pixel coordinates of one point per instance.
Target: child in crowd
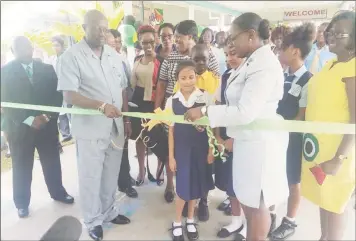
(223, 170)
(188, 150)
(206, 80)
(295, 48)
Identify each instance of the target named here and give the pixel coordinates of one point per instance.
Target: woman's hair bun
(263, 29)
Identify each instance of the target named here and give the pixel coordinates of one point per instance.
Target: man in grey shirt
(91, 77)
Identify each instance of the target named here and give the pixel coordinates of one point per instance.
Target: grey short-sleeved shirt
(102, 79)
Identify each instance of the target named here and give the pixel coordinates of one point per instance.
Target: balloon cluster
(129, 29)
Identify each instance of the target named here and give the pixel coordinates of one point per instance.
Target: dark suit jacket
(17, 88)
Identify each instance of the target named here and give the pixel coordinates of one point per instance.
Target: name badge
(295, 90)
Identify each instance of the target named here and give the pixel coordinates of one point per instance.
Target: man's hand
(229, 144)
(128, 129)
(39, 122)
(111, 111)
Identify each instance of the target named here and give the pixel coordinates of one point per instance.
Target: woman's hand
(221, 142)
(210, 156)
(332, 166)
(229, 144)
(172, 164)
(193, 114)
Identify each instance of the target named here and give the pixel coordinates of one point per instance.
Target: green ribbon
(261, 124)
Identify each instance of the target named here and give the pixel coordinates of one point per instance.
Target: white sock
(290, 219)
(177, 231)
(226, 201)
(236, 222)
(191, 228)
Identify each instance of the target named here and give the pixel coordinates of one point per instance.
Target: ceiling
(259, 6)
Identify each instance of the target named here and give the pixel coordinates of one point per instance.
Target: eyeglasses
(336, 35)
(148, 43)
(169, 36)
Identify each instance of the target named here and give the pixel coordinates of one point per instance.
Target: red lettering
(304, 13)
(317, 12)
(288, 14)
(295, 13)
(310, 12)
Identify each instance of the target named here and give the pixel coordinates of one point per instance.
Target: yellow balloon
(134, 38)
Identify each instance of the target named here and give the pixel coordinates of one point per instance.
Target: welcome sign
(308, 14)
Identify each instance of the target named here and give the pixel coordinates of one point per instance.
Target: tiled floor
(150, 215)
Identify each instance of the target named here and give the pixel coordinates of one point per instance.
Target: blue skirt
(223, 175)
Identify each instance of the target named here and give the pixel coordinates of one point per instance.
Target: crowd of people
(252, 72)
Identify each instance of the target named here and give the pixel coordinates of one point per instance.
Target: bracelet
(102, 108)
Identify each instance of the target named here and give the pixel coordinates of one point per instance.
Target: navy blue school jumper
(288, 107)
(191, 148)
(223, 170)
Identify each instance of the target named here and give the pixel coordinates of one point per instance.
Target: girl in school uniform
(188, 150)
(223, 170)
(295, 48)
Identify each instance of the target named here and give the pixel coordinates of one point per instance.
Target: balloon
(200, 29)
(127, 33)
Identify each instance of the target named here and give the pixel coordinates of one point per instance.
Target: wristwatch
(341, 157)
(204, 110)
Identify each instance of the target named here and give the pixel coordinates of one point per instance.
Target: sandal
(192, 235)
(177, 238)
(139, 182)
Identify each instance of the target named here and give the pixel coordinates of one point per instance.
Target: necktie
(29, 72)
(288, 78)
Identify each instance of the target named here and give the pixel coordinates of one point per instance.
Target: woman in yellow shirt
(328, 168)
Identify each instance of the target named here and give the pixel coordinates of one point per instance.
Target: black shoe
(133, 181)
(177, 238)
(224, 233)
(121, 219)
(23, 212)
(203, 210)
(192, 235)
(67, 199)
(239, 237)
(96, 233)
(139, 182)
(185, 210)
(273, 224)
(131, 192)
(67, 139)
(284, 231)
(169, 196)
(222, 206)
(228, 210)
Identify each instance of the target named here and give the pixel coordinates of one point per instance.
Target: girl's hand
(221, 142)
(332, 166)
(172, 164)
(193, 114)
(210, 156)
(229, 144)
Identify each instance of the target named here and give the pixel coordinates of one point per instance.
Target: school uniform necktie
(288, 78)
(29, 72)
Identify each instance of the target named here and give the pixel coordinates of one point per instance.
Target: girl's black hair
(116, 33)
(165, 25)
(201, 38)
(247, 21)
(184, 64)
(188, 27)
(344, 15)
(301, 38)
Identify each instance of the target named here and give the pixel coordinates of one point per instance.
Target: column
(191, 12)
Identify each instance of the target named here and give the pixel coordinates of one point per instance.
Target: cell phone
(132, 104)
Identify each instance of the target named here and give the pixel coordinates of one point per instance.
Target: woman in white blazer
(253, 92)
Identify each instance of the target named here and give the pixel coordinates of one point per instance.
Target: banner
(307, 14)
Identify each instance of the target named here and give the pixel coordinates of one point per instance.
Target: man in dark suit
(27, 81)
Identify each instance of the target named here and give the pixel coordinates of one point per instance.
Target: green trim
(215, 7)
(315, 147)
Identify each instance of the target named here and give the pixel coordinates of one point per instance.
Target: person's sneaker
(284, 231)
(273, 224)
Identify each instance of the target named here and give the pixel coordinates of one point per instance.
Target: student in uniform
(205, 78)
(296, 46)
(253, 92)
(223, 170)
(188, 150)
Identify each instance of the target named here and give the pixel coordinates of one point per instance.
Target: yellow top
(206, 81)
(328, 102)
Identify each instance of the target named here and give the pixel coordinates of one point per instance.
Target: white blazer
(259, 165)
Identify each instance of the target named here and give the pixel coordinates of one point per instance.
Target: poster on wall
(156, 17)
(306, 14)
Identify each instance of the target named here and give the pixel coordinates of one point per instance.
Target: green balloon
(127, 34)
